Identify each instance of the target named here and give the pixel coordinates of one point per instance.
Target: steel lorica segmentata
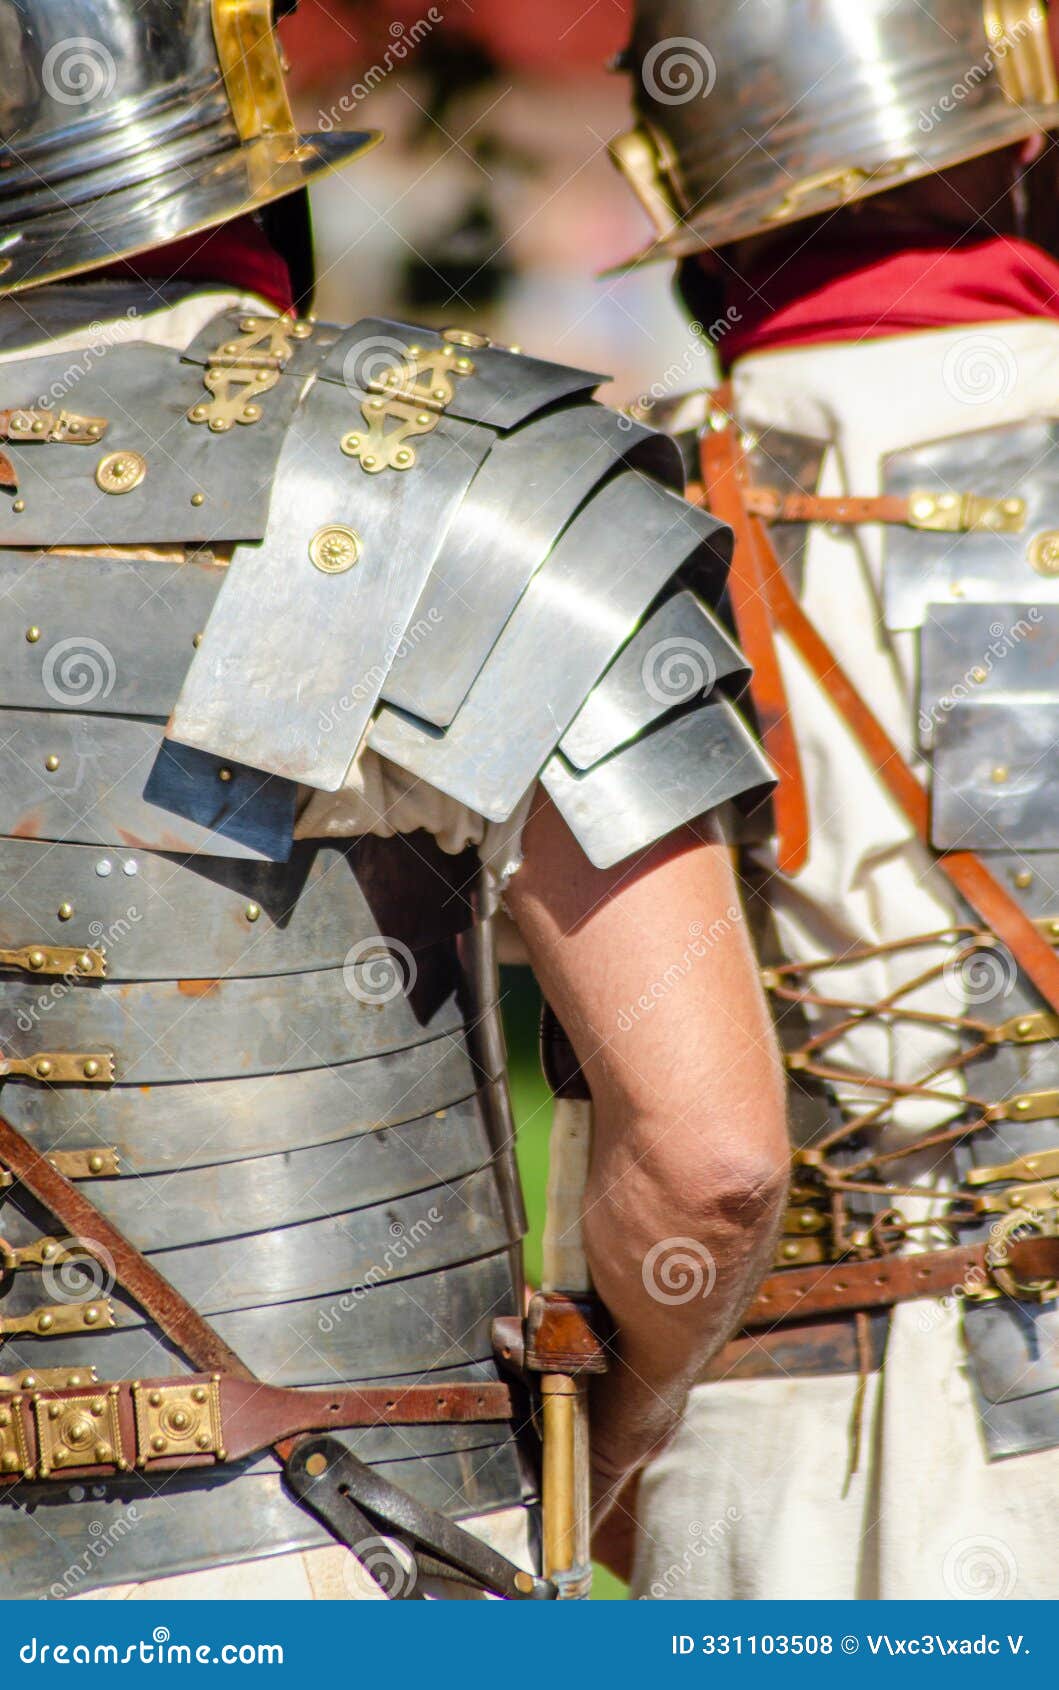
(752, 117)
(971, 570)
(124, 126)
(276, 1066)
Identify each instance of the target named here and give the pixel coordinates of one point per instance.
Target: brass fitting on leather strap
(57, 1320)
(54, 1067)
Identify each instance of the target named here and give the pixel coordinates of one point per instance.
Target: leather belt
(117, 1425)
(96, 1430)
(847, 1287)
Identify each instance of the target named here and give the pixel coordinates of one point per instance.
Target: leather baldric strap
(724, 475)
(95, 1430)
(171, 1313)
(234, 1411)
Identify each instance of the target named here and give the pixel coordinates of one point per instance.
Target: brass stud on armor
(19, 506)
(91, 1315)
(1000, 774)
(120, 472)
(198, 499)
(1024, 878)
(196, 641)
(95, 1163)
(43, 1068)
(253, 912)
(224, 774)
(65, 911)
(33, 634)
(51, 763)
(335, 548)
(45, 1323)
(36, 959)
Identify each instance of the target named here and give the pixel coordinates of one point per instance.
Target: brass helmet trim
(854, 101)
(127, 127)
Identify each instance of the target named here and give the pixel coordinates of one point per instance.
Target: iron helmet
(755, 115)
(125, 124)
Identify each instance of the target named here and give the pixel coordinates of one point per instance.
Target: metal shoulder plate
(461, 547)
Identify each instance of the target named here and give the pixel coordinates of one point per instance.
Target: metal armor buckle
(966, 513)
(239, 371)
(413, 393)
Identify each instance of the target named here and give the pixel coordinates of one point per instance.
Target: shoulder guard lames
(483, 574)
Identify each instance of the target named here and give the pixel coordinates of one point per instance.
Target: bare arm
(649, 968)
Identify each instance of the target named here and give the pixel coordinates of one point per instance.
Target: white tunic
(748, 1500)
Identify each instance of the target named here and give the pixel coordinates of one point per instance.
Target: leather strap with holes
(847, 1287)
(723, 473)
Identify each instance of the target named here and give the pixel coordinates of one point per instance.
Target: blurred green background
(532, 1104)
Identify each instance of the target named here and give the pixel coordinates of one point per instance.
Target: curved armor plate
(276, 1067)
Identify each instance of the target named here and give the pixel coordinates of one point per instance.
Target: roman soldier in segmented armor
(861, 203)
(304, 625)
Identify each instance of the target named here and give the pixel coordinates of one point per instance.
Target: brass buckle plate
(178, 1420)
(79, 1431)
(412, 393)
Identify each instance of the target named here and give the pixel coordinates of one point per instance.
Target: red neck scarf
(237, 254)
(825, 293)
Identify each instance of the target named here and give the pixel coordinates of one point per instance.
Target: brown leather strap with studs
(204, 1420)
(265, 1415)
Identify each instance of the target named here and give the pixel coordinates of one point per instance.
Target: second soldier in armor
(861, 200)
